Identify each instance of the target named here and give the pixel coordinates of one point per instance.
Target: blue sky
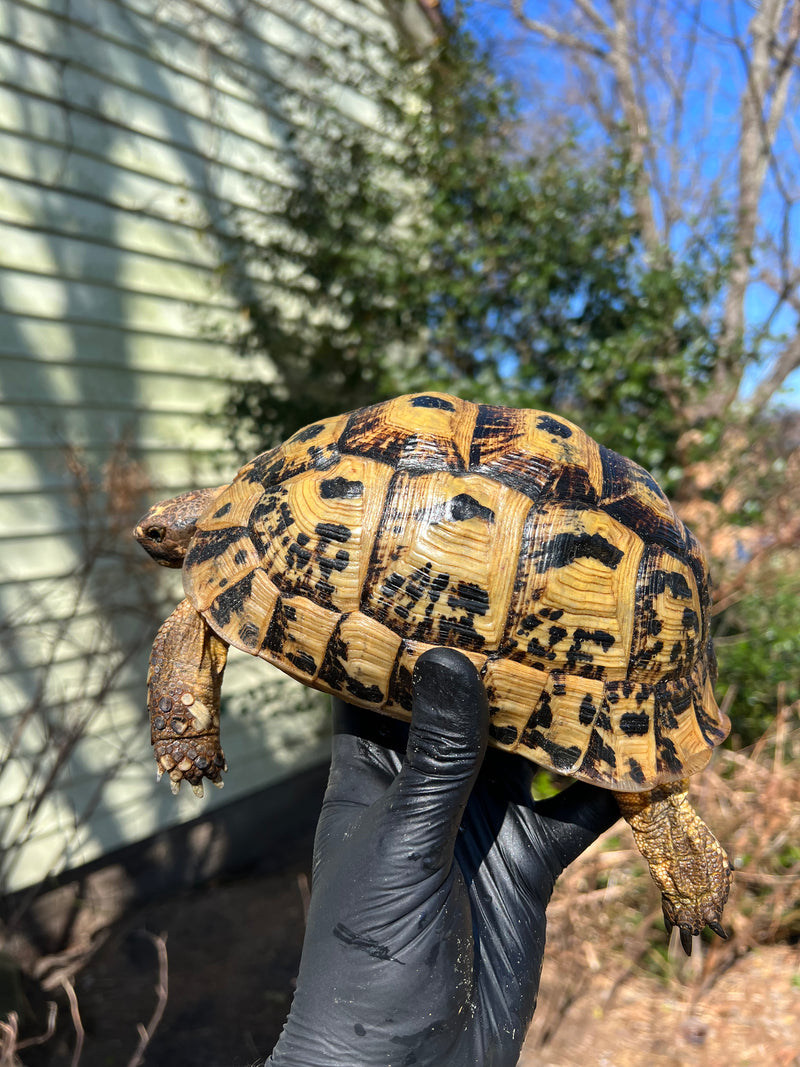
(710, 126)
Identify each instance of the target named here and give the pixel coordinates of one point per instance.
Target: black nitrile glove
(426, 926)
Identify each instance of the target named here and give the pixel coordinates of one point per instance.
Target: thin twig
(52, 1012)
(8, 1040)
(162, 991)
(76, 1020)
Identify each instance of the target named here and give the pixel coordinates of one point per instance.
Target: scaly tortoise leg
(687, 862)
(183, 693)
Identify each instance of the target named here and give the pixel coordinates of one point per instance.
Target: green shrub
(758, 648)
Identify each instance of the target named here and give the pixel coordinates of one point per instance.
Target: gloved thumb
(446, 744)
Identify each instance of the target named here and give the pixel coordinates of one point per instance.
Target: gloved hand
(426, 926)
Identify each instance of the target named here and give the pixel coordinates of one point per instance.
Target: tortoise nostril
(155, 533)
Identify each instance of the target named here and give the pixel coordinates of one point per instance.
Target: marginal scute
(232, 507)
(558, 731)
(312, 448)
(628, 710)
(298, 635)
(512, 690)
(207, 574)
(713, 725)
(681, 746)
(399, 699)
(359, 659)
(253, 612)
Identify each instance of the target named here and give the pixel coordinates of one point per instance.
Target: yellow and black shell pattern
(556, 565)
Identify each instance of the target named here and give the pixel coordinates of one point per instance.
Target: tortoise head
(166, 530)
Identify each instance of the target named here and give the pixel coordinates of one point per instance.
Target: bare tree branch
(550, 33)
(638, 131)
(593, 93)
(644, 66)
(594, 16)
(787, 362)
(762, 108)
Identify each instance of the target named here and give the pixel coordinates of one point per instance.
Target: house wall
(130, 132)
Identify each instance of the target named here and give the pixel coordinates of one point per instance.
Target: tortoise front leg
(687, 862)
(183, 692)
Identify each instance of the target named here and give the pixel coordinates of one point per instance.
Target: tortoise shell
(556, 565)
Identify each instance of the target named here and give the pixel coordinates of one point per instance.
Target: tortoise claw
(686, 940)
(688, 932)
(197, 789)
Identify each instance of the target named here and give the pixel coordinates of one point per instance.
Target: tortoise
(556, 565)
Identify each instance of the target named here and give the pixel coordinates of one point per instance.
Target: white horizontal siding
(96, 120)
(107, 794)
(168, 390)
(94, 345)
(130, 130)
(73, 259)
(37, 206)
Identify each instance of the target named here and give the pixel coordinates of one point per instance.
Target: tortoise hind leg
(183, 693)
(687, 862)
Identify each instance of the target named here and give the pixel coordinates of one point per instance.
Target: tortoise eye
(155, 533)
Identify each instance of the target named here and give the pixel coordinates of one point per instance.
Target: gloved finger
(574, 818)
(367, 751)
(446, 744)
(382, 730)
